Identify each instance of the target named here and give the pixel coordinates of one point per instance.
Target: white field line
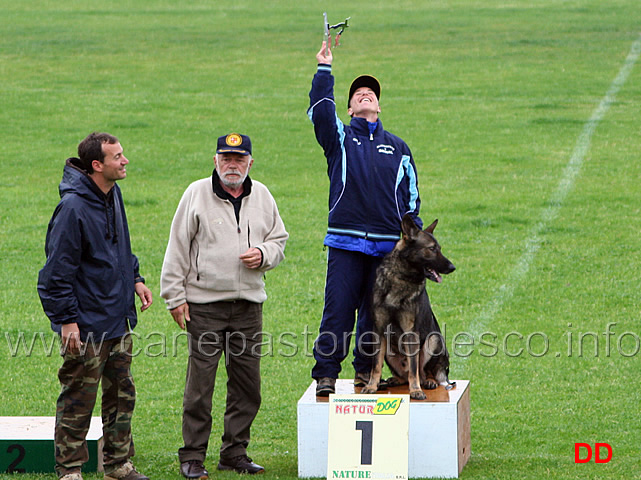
(571, 171)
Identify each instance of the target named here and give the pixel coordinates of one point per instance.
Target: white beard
(232, 184)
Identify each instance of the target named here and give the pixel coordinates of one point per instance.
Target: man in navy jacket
(373, 183)
(87, 288)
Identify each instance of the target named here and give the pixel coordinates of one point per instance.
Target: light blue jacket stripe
(358, 233)
(340, 130)
(406, 169)
(341, 138)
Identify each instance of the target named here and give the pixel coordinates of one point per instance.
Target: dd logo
(597, 453)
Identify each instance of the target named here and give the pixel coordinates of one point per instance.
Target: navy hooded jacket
(90, 272)
(373, 180)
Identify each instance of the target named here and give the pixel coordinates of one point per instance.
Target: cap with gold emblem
(234, 143)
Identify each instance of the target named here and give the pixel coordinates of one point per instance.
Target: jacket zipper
(369, 179)
(197, 271)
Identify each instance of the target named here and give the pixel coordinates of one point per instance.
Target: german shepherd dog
(408, 335)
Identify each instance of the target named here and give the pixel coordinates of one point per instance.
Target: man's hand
(145, 295)
(71, 338)
(181, 315)
(252, 258)
(325, 54)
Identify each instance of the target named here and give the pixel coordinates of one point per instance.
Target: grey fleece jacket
(201, 262)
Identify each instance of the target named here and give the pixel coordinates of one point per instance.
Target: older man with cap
(373, 183)
(225, 235)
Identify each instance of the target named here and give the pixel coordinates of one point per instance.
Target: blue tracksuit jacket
(373, 180)
(90, 272)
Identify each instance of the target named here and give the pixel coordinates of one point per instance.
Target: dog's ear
(431, 228)
(410, 230)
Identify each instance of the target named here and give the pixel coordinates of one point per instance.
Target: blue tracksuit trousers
(348, 289)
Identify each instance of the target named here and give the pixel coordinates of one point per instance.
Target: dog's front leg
(415, 386)
(412, 350)
(377, 370)
(434, 364)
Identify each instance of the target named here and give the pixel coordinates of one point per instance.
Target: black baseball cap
(234, 143)
(364, 81)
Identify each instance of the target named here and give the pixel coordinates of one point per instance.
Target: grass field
(523, 118)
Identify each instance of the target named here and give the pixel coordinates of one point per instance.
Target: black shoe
(325, 386)
(241, 464)
(194, 469)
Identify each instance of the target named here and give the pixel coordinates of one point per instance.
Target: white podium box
(26, 445)
(439, 430)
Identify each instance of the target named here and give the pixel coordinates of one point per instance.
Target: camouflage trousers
(109, 361)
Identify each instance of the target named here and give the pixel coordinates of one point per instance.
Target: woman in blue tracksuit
(373, 183)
